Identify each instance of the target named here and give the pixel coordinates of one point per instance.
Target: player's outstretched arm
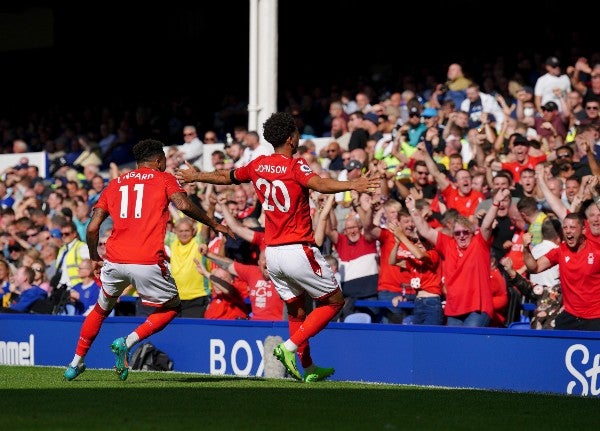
(191, 174)
(366, 183)
(186, 206)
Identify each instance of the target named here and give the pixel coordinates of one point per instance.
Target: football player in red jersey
(138, 203)
(295, 265)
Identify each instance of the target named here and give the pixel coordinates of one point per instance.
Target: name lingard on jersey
(136, 176)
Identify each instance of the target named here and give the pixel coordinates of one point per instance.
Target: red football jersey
(515, 168)
(231, 306)
(579, 278)
(422, 274)
(281, 185)
(466, 275)
(138, 203)
(265, 301)
(466, 205)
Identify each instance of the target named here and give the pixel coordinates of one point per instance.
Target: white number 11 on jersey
(139, 194)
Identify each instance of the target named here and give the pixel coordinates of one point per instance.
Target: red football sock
(303, 351)
(90, 329)
(156, 322)
(304, 355)
(315, 322)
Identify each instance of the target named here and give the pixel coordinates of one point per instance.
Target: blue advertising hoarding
(565, 362)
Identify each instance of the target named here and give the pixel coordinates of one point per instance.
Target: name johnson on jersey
(271, 169)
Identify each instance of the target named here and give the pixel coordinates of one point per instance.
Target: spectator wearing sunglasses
(40, 278)
(192, 148)
(466, 269)
(592, 107)
(70, 255)
(334, 154)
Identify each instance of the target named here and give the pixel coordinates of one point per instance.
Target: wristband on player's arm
(233, 178)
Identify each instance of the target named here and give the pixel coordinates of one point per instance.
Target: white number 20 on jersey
(269, 192)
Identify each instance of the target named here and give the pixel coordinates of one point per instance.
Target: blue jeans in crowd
(393, 314)
(474, 318)
(428, 311)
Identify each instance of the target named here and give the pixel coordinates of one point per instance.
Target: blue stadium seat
(358, 318)
(519, 325)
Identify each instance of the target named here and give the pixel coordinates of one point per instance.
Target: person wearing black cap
(552, 86)
(371, 125)
(521, 160)
(552, 125)
(414, 128)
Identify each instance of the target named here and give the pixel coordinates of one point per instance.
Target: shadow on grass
(174, 401)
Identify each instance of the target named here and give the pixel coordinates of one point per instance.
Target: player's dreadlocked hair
(278, 128)
(147, 150)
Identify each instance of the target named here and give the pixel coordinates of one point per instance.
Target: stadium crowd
(489, 199)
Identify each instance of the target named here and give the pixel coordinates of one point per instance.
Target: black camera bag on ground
(148, 358)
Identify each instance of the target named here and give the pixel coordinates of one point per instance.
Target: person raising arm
(466, 270)
(578, 262)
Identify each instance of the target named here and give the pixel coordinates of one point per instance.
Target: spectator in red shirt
(392, 281)
(521, 158)
(265, 303)
(578, 262)
(466, 266)
(244, 207)
(459, 195)
(229, 295)
(421, 265)
(253, 236)
(499, 296)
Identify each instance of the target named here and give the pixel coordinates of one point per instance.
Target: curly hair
(464, 221)
(278, 128)
(147, 149)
